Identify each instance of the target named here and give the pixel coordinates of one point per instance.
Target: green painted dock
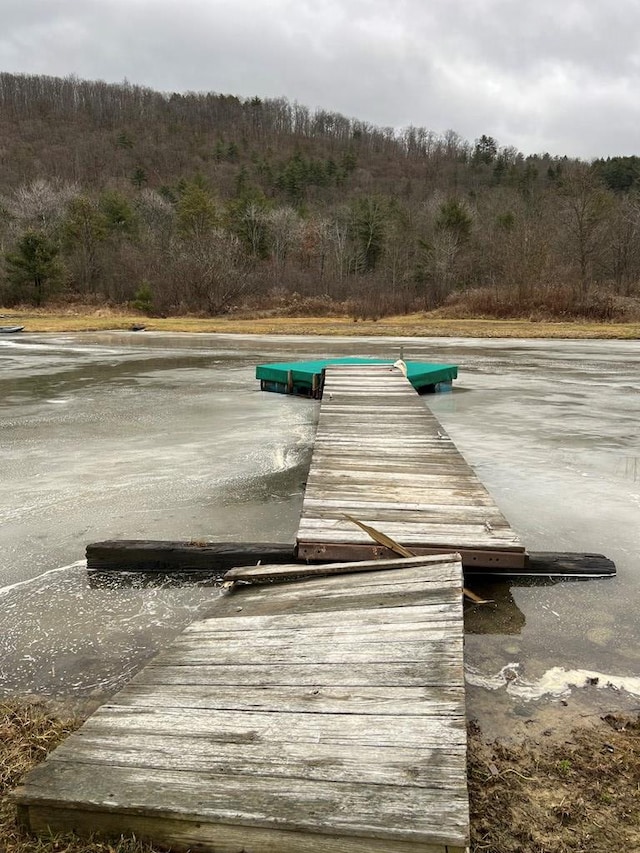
(306, 378)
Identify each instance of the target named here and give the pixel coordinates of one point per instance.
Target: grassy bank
(559, 795)
(410, 325)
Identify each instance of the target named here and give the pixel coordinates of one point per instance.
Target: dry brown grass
(549, 303)
(579, 794)
(409, 325)
(28, 731)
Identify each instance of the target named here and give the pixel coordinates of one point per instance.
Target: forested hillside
(211, 203)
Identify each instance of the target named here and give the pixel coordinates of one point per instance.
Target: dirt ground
(575, 794)
(562, 794)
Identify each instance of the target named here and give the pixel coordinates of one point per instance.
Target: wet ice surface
(553, 430)
(117, 435)
(63, 637)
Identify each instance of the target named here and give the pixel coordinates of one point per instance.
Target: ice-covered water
(117, 435)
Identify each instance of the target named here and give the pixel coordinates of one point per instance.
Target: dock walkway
(382, 457)
(322, 714)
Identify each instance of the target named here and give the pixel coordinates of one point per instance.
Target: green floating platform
(304, 378)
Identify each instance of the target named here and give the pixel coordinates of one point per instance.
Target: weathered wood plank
(353, 809)
(456, 514)
(273, 572)
(428, 767)
(410, 533)
(366, 506)
(446, 672)
(262, 600)
(443, 514)
(187, 835)
(390, 492)
(380, 619)
(437, 651)
(402, 701)
(275, 637)
(377, 450)
(344, 631)
(431, 581)
(361, 457)
(160, 556)
(554, 564)
(380, 478)
(385, 594)
(438, 574)
(328, 708)
(248, 727)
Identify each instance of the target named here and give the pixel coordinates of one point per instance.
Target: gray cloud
(541, 76)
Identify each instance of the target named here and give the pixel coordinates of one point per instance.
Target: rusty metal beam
(477, 558)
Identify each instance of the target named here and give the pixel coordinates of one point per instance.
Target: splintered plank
(381, 456)
(268, 573)
(324, 713)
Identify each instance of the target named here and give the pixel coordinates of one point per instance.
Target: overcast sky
(554, 75)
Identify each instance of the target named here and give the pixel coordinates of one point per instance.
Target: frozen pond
(159, 436)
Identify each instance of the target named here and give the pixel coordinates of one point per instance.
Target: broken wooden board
(288, 571)
(322, 714)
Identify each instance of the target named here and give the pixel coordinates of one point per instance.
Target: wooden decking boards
(382, 457)
(321, 714)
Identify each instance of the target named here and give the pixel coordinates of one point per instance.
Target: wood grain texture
(326, 714)
(144, 555)
(440, 673)
(188, 835)
(288, 570)
(396, 812)
(350, 699)
(382, 457)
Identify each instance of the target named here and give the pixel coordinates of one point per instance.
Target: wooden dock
(320, 714)
(382, 457)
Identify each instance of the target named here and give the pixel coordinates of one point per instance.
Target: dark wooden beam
(142, 555)
(216, 558)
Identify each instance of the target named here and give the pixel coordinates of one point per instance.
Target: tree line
(206, 203)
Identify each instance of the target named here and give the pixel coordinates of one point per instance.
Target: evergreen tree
(485, 150)
(124, 140)
(197, 213)
(143, 299)
(139, 178)
(119, 216)
(454, 217)
(33, 269)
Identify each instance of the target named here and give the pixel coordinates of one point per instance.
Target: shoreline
(565, 792)
(410, 325)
